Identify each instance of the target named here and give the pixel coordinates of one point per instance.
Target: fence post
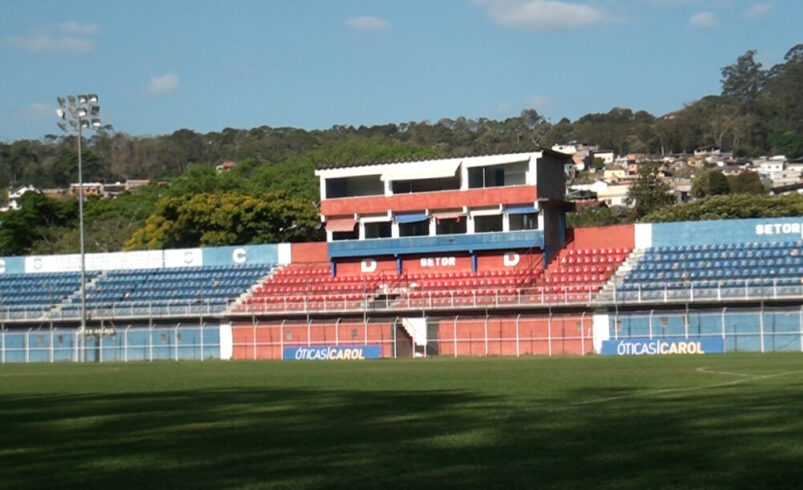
(281, 339)
(28, 346)
(486, 335)
(724, 344)
(125, 343)
(761, 325)
(201, 329)
(649, 323)
(3, 344)
(254, 339)
(150, 342)
(799, 325)
(549, 332)
(175, 343)
(337, 328)
(518, 350)
(52, 348)
(454, 333)
(583, 333)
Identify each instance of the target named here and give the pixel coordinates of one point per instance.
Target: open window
(498, 175)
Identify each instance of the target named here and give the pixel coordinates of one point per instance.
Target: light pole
(76, 113)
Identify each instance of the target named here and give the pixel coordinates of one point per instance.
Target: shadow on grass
(423, 439)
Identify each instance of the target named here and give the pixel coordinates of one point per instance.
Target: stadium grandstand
(447, 257)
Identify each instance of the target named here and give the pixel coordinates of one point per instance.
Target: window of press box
(366, 185)
(484, 224)
(345, 235)
(450, 226)
(419, 228)
(498, 175)
(425, 185)
(527, 221)
(378, 230)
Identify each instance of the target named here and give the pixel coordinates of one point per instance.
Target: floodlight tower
(77, 113)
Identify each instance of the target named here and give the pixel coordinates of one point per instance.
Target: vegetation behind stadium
(271, 194)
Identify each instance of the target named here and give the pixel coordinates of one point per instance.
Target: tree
(710, 183)
(744, 79)
(736, 206)
(649, 192)
(226, 218)
(747, 182)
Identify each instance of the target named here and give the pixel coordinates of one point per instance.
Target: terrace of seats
(182, 290)
(24, 296)
(733, 270)
(576, 275)
(440, 289)
(312, 287)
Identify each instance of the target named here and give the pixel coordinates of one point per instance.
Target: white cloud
(757, 10)
(72, 27)
(37, 111)
(544, 14)
(504, 107)
(66, 37)
(704, 19)
(538, 102)
(367, 23)
(163, 84)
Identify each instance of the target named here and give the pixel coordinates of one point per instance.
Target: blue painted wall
(12, 265)
(782, 330)
(430, 244)
(244, 254)
(135, 341)
(727, 231)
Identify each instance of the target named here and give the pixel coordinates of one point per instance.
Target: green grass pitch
(728, 421)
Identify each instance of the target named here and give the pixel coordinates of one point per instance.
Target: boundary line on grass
(743, 378)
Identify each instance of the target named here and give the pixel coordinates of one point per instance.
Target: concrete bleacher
(577, 274)
(198, 289)
(32, 296)
(715, 271)
(312, 287)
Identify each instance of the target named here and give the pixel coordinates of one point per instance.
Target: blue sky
(159, 66)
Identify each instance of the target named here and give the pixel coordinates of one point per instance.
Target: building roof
(327, 166)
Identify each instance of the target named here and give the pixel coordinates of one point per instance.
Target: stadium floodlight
(80, 108)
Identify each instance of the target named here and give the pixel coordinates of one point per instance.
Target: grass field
(730, 421)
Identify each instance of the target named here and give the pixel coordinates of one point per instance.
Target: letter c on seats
(238, 256)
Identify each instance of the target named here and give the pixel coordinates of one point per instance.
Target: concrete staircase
(605, 295)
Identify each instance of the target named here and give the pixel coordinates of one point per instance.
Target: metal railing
(707, 291)
(111, 311)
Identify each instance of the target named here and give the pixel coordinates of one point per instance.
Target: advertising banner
(663, 346)
(332, 353)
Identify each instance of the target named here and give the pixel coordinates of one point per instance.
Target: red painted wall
(492, 261)
(351, 267)
(429, 200)
(272, 336)
(535, 335)
(444, 262)
(601, 237)
(309, 252)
